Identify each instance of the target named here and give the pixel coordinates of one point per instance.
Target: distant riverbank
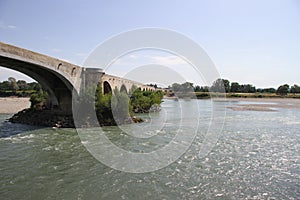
(208, 95)
(12, 105)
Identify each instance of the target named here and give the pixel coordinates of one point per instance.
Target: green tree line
(21, 88)
(224, 85)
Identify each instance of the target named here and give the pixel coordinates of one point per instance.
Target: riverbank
(12, 105)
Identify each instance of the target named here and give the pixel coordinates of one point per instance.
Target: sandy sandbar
(263, 104)
(11, 105)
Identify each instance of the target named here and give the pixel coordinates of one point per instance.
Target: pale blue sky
(251, 41)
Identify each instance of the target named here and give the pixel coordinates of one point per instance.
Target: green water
(256, 157)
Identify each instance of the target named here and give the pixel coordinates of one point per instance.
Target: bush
(202, 95)
(142, 101)
(39, 100)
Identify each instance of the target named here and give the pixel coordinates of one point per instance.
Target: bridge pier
(90, 76)
(64, 99)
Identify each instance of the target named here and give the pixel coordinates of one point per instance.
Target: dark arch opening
(106, 88)
(123, 89)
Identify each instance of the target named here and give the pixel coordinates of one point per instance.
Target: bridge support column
(91, 76)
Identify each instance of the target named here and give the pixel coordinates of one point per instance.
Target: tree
(187, 87)
(226, 85)
(13, 84)
(176, 87)
(295, 89)
(220, 85)
(34, 86)
(204, 89)
(140, 102)
(22, 85)
(4, 86)
(39, 100)
(249, 89)
(197, 88)
(267, 90)
(234, 87)
(283, 90)
(153, 85)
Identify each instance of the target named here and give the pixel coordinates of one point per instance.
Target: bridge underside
(58, 88)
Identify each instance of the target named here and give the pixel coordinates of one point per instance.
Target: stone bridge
(109, 83)
(59, 78)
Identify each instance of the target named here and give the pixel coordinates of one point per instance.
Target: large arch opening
(123, 89)
(59, 89)
(106, 88)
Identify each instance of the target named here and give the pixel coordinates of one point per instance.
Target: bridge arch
(106, 87)
(57, 77)
(58, 88)
(123, 89)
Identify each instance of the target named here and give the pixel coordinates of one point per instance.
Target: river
(256, 156)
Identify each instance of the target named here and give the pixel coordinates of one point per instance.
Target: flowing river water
(256, 156)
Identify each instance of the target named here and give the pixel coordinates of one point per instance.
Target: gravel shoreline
(12, 105)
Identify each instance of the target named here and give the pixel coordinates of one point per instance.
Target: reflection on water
(256, 157)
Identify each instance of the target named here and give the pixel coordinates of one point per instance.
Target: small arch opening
(58, 66)
(73, 71)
